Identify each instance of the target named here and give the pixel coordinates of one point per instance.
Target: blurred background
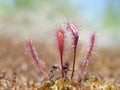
(37, 20)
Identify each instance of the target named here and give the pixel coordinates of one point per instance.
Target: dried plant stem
(74, 58)
(37, 59)
(62, 65)
(88, 55)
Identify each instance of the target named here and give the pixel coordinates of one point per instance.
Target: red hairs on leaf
(60, 38)
(74, 30)
(36, 58)
(88, 55)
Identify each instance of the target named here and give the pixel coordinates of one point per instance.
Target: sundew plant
(64, 82)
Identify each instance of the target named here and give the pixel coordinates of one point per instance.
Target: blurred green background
(37, 18)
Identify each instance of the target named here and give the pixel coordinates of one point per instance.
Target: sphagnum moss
(91, 83)
(88, 82)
